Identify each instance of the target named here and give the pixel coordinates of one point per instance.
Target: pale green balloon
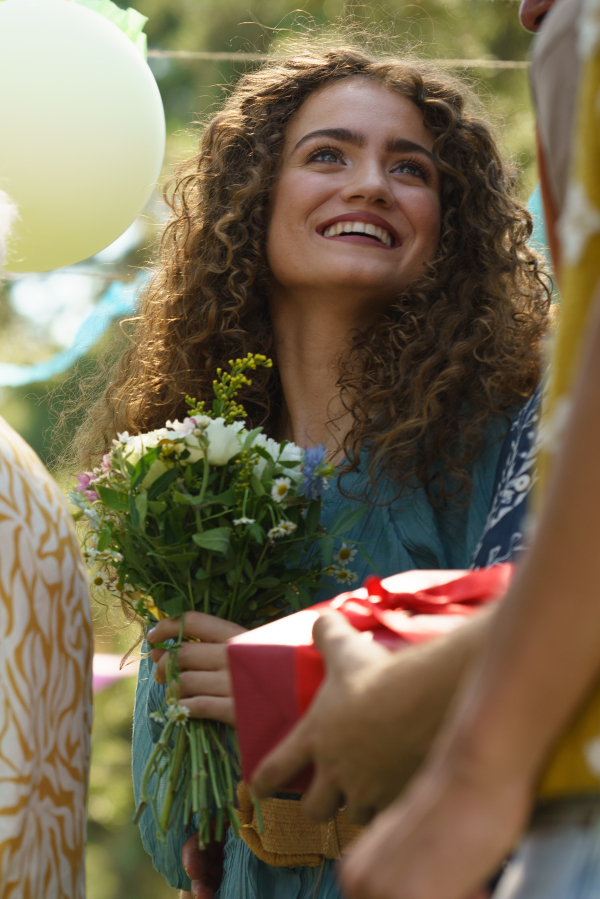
(82, 131)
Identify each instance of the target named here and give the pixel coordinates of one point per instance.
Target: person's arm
(374, 718)
(542, 658)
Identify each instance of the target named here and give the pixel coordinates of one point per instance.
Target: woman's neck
(310, 341)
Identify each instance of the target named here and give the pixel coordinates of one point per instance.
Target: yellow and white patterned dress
(45, 683)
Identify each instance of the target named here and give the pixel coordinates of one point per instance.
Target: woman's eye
(411, 168)
(326, 156)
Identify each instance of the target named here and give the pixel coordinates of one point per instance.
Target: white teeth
(359, 228)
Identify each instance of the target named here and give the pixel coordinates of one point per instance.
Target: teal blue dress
(404, 534)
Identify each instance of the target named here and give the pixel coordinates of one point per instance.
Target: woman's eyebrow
(341, 134)
(402, 145)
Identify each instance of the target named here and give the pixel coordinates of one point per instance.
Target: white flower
(281, 530)
(280, 489)
(344, 555)
(92, 517)
(176, 712)
(101, 580)
(156, 716)
(288, 527)
(345, 576)
(134, 448)
(106, 555)
(182, 428)
(240, 521)
(224, 440)
(290, 453)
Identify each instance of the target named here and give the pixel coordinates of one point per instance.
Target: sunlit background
(52, 321)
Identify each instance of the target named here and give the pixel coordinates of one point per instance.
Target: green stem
(237, 580)
(195, 769)
(172, 783)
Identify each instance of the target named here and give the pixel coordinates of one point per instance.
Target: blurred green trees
(118, 868)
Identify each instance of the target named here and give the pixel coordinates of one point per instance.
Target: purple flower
(106, 462)
(91, 496)
(84, 480)
(316, 471)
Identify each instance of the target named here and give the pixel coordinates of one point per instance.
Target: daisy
(345, 554)
(240, 521)
(280, 489)
(288, 527)
(345, 576)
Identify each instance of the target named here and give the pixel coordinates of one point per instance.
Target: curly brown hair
(459, 348)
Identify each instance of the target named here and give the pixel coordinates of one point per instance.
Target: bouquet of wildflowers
(206, 515)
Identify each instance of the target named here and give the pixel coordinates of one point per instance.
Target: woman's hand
(205, 684)
(442, 839)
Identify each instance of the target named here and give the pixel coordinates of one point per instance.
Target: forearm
(543, 654)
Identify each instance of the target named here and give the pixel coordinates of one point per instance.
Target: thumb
(340, 644)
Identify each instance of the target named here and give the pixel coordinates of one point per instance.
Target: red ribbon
(462, 596)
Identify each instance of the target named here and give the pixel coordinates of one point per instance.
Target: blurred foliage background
(39, 315)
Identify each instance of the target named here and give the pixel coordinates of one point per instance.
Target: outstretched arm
(466, 809)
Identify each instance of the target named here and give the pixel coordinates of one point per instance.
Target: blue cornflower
(316, 472)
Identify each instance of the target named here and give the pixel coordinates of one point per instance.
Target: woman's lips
(360, 238)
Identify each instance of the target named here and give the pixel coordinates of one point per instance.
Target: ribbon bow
(410, 614)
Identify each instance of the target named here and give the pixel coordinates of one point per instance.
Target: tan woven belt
(289, 838)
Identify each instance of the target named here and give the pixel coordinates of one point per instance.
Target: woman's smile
(361, 228)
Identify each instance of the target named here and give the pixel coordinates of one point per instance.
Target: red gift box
(276, 669)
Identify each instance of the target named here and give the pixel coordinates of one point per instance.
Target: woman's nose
(532, 13)
(368, 182)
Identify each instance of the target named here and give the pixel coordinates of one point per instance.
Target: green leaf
(161, 483)
(156, 508)
(227, 498)
(177, 557)
(327, 546)
(216, 540)
(345, 520)
(257, 533)
(118, 502)
(141, 504)
(251, 437)
(268, 582)
(202, 575)
(293, 598)
(104, 539)
(143, 466)
(366, 557)
(312, 516)
(185, 498)
(257, 486)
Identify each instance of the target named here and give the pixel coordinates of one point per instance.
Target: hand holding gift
(376, 713)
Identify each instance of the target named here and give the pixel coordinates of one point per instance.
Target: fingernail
(150, 635)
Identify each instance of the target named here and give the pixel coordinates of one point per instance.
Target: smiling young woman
(353, 219)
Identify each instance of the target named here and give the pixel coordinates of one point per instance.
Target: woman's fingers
(201, 683)
(207, 628)
(217, 708)
(191, 657)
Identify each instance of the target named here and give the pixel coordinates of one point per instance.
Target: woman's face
(356, 207)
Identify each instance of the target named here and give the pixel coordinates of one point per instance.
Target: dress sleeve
(149, 696)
